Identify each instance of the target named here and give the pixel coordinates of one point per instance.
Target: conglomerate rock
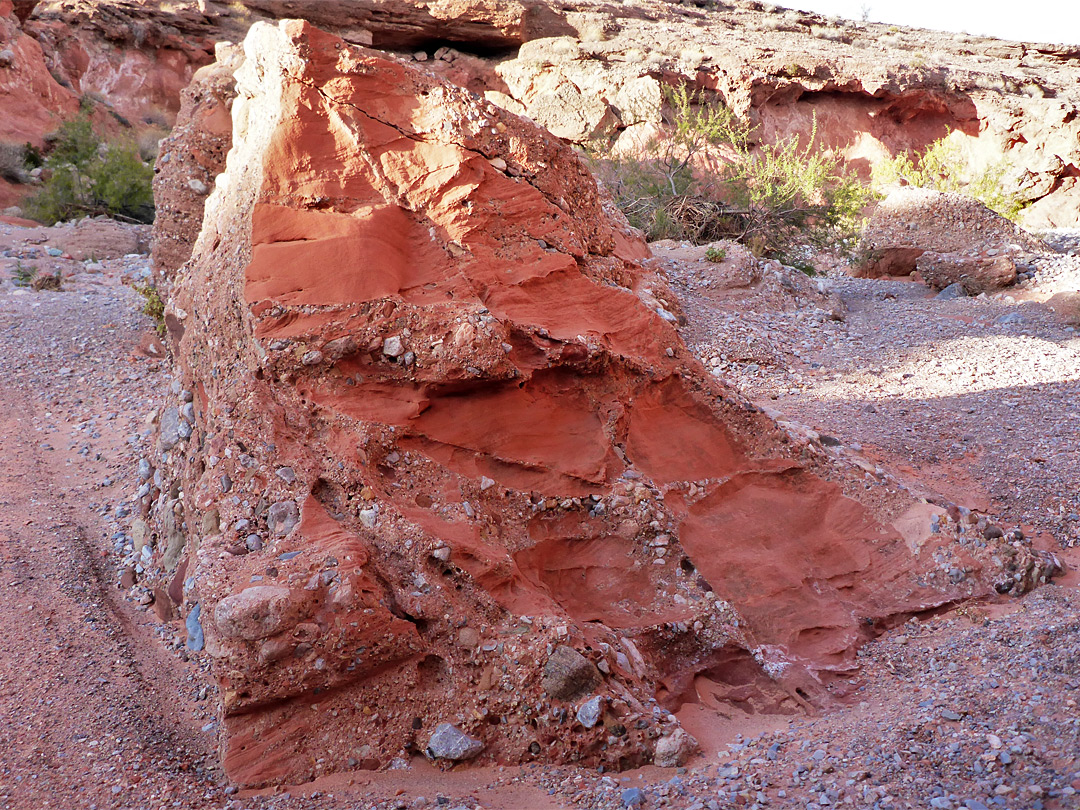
(976, 271)
(184, 176)
(448, 462)
(911, 221)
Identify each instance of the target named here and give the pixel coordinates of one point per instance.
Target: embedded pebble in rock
(255, 613)
(450, 742)
(567, 673)
(282, 517)
(170, 428)
(393, 347)
(588, 714)
(194, 629)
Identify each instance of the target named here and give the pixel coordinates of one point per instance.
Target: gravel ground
(102, 708)
(976, 398)
(96, 711)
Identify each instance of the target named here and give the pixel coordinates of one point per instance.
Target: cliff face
(594, 70)
(447, 461)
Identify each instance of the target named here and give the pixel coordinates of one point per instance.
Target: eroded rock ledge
(448, 460)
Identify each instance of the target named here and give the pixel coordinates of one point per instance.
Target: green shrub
(943, 167)
(705, 181)
(796, 193)
(154, 306)
(23, 273)
(715, 254)
(87, 176)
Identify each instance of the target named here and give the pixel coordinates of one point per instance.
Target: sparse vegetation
(87, 176)
(715, 254)
(943, 167)
(28, 275)
(154, 306)
(705, 180)
(23, 274)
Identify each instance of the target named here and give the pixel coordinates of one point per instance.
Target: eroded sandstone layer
(449, 463)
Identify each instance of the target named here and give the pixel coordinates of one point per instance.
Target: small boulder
(568, 674)
(450, 742)
(976, 272)
(1067, 307)
(952, 292)
(673, 750)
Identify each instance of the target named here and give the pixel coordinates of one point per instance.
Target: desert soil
(103, 707)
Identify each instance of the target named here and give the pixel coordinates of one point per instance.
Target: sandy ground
(101, 706)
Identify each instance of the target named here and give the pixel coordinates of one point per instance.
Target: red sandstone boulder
(412, 323)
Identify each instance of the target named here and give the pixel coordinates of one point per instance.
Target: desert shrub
(149, 142)
(32, 157)
(794, 193)
(153, 306)
(943, 167)
(87, 176)
(715, 254)
(23, 274)
(705, 180)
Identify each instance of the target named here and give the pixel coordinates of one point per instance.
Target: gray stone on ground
(450, 742)
(952, 291)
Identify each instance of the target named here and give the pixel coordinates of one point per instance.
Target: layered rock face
(32, 100)
(451, 482)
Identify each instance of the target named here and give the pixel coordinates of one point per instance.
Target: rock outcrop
(32, 100)
(483, 25)
(592, 70)
(190, 159)
(912, 221)
(445, 473)
(977, 272)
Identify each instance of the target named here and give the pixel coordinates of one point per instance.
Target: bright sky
(1024, 20)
